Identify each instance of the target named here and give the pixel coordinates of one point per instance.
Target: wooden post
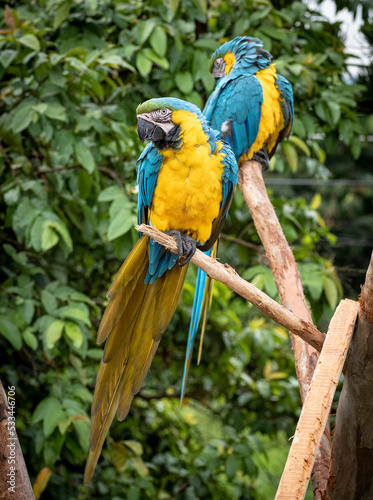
(290, 290)
(14, 479)
(351, 476)
(316, 407)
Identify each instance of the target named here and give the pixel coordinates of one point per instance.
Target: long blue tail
(201, 300)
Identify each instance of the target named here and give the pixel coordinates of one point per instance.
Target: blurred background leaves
(72, 73)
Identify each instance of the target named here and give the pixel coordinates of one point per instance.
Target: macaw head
(242, 52)
(164, 121)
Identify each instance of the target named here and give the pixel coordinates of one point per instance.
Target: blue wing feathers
(232, 101)
(287, 102)
(149, 164)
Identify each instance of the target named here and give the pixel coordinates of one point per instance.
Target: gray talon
(186, 246)
(262, 157)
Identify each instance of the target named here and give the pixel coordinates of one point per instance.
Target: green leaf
(144, 29)
(259, 14)
(62, 230)
(335, 112)
(74, 333)
(62, 11)
(74, 313)
(143, 64)
(158, 41)
(49, 301)
(20, 117)
(116, 61)
(55, 111)
(49, 238)
(84, 184)
(312, 279)
(11, 196)
(356, 148)
(110, 193)
(121, 224)
(152, 56)
(329, 112)
(54, 333)
(82, 428)
(30, 41)
(30, 339)
(291, 155)
(6, 57)
(232, 466)
(184, 82)
(174, 4)
(53, 416)
(301, 144)
(331, 291)
(44, 407)
(134, 446)
(84, 156)
(36, 232)
(10, 331)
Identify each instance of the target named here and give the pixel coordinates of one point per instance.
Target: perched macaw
(186, 179)
(252, 107)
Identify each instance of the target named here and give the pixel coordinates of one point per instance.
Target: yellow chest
(272, 120)
(188, 193)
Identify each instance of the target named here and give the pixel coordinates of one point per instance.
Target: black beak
(149, 131)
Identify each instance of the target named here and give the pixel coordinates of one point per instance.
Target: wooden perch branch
(228, 276)
(316, 408)
(351, 475)
(290, 290)
(281, 260)
(14, 479)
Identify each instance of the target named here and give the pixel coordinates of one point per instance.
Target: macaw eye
(163, 111)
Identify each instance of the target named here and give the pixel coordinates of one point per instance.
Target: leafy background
(72, 73)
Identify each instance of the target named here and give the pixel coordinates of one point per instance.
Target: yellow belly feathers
(188, 193)
(272, 120)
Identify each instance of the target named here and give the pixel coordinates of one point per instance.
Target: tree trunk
(14, 479)
(351, 476)
(290, 290)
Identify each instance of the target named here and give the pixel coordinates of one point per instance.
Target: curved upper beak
(148, 130)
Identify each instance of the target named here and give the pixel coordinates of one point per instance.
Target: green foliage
(72, 75)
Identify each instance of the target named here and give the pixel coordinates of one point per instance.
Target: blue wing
(203, 283)
(287, 104)
(149, 164)
(235, 109)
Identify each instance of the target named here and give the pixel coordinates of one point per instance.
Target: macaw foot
(262, 157)
(186, 246)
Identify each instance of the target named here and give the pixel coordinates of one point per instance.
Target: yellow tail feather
(133, 324)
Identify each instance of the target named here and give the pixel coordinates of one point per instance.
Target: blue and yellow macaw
(252, 108)
(186, 179)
